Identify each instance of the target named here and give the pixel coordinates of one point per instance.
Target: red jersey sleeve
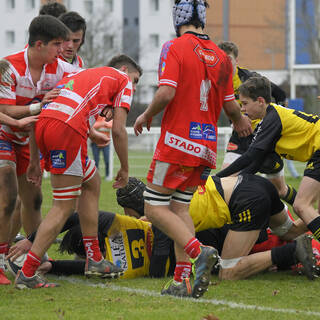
(8, 90)
(124, 97)
(229, 93)
(169, 65)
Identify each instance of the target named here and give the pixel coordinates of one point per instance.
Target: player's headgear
(131, 196)
(185, 11)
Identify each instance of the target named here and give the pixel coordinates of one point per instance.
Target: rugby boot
(102, 269)
(201, 269)
(304, 255)
(182, 289)
(35, 282)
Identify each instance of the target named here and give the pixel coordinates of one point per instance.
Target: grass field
(268, 296)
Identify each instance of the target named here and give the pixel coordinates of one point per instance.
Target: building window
(31, 4)
(136, 21)
(10, 38)
(88, 5)
(11, 4)
(125, 21)
(108, 42)
(108, 5)
(154, 40)
(154, 5)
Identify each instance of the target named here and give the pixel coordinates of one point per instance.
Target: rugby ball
(16, 265)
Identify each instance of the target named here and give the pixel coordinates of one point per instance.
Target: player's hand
(140, 121)
(34, 173)
(26, 124)
(121, 179)
(243, 126)
(107, 112)
(49, 96)
(45, 267)
(18, 249)
(99, 138)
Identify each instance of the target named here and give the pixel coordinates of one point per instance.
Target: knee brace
(182, 196)
(66, 193)
(156, 198)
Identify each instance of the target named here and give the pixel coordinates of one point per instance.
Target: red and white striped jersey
(23, 91)
(201, 73)
(77, 61)
(85, 94)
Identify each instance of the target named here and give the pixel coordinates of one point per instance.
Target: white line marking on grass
(230, 304)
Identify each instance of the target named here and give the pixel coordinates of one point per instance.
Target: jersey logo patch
(163, 57)
(118, 251)
(207, 56)
(231, 146)
(58, 158)
(5, 145)
(205, 131)
(69, 85)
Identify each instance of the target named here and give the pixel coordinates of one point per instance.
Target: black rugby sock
(314, 227)
(283, 257)
(290, 195)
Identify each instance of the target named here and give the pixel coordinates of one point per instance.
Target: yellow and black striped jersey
(208, 208)
(292, 134)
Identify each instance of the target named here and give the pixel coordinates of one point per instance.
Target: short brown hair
(256, 87)
(229, 48)
(123, 60)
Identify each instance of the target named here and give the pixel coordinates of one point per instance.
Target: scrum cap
(184, 12)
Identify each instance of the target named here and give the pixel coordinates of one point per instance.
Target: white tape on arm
(35, 108)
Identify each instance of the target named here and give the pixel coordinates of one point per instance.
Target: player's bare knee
(10, 204)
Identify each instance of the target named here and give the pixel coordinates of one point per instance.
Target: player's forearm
(232, 110)
(16, 112)
(120, 142)
(161, 99)
(33, 148)
(7, 120)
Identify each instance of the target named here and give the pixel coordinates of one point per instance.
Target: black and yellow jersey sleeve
(207, 208)
(129, 245)
(292, 134)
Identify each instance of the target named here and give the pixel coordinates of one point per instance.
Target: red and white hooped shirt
(85, 94)
(23, 91)
(201, 73)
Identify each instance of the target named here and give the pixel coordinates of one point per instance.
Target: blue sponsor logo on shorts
(58, 158)
(205, 173)
(195, 131)
(5, 145)
(209, 132)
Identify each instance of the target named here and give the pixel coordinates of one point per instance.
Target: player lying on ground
(130, 239)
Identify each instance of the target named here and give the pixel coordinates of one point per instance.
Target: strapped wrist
(35, 108)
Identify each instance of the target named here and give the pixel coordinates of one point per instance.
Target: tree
(103, 39)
